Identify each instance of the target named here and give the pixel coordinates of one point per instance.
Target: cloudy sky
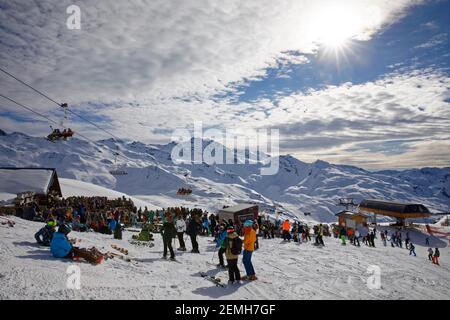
(361, 82)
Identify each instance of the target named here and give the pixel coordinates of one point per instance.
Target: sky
(357, 82)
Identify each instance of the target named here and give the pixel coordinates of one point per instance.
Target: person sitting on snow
(45, 234)
(61, 247)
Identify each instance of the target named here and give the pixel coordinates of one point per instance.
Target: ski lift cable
(48, 119)
(62, 105)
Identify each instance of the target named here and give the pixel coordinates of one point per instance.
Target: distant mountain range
(298, 187)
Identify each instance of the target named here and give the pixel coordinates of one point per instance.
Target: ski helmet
(64, 228)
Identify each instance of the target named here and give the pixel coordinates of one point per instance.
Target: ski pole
(214, 253)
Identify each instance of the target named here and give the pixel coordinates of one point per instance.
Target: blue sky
(395, 49)
(361, 82)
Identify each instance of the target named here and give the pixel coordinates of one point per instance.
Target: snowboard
(91, 255)
(214, 280)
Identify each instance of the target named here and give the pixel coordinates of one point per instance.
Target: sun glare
(335, 26)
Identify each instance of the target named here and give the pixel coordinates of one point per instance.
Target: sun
(334, 26)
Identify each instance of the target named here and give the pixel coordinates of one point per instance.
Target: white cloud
(154, 66)
(137, 50)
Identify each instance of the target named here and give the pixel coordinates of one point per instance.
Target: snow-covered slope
(298, 187)
(285, 271)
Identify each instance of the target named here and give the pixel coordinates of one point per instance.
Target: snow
(285, 271)
(25, 180)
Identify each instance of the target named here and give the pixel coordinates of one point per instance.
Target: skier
(427, 241)
(412, 249)
(45, 234)
(223, 233)
(168, 233)
(249, 247)
(180, 224)
(192, 230)
(233, 247)
(430, 254)
(436, 256)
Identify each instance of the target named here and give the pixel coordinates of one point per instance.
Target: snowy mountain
(298, 187)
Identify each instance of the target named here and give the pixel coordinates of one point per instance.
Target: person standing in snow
(249, 247)
(356, 239)
(192, 230)
(342, 235)
(407, 240)
(233, 247)
(430, 254)
(436, 256)
(223, 233)
(371, 237)
(180, 225)
(319, 238)
(412, 249)
(286, 230)
(168, 232)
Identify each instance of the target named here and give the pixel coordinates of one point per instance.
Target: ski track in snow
(286, 271)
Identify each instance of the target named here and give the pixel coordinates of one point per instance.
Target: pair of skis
(215, 280)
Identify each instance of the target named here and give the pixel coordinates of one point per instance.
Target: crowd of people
(111, 216)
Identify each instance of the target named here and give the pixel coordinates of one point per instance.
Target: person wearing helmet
(45, 234)
(60, 245)
(232, 245)
(221, 244)
(249, 247)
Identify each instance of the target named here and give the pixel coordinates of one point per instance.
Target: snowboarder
(233, 248)
(249, 247)
(436, 256)
(168, 232)
(180, 224)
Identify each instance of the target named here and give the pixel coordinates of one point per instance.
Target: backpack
(236, 247)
